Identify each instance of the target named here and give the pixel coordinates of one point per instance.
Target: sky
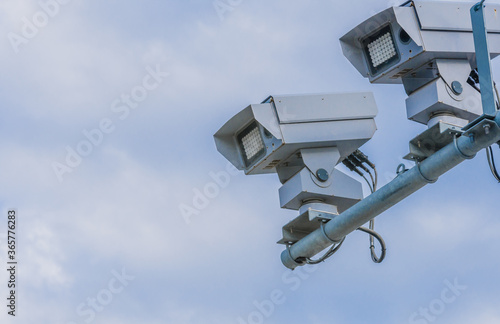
(109, 108)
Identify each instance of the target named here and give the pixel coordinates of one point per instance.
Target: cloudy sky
(109, 108)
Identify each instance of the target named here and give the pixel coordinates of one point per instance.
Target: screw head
(322, 175)
(457, 87)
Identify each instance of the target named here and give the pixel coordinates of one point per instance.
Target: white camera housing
(397, 42)
(264, 137)
(303, 138)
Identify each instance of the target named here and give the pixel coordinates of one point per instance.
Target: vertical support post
(483, 59)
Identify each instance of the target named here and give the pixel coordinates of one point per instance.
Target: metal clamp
(465, 156)
(299, 263)
(423, 176)
(322, 226)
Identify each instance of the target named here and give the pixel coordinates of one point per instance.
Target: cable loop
(491, 162)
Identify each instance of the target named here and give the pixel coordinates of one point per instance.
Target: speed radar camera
(302, 139)
(396, 45)
(263, 137)
(428, 46)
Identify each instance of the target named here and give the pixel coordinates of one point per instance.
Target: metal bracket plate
(431, 141)
(304, 225)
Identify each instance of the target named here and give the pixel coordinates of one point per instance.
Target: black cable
(370, 185)
(372, 229)
(335, 247)
(328, 254)
(473, 80)
(498, 96)
(379, 238)
(353, 162)
(357, 162)
(363, 158)
(474, 85)
(491, 162)
(351, 166)
(374, 180)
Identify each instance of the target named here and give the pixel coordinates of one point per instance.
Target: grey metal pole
(483, 59)
(478, 137)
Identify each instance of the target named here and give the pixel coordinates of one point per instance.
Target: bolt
(457, 87)
(322, 175)
(487, 129)
(472, 138)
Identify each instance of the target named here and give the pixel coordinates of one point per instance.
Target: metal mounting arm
(483, 59)
(478, 137)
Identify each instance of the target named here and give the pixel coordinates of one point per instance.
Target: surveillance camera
(302, 139)
(429, 47)
(396, 43)
(264, 137)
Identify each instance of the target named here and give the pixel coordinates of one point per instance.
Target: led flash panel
(381, 50)
(251, 144)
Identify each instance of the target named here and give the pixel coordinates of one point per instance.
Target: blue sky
(109, 229)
